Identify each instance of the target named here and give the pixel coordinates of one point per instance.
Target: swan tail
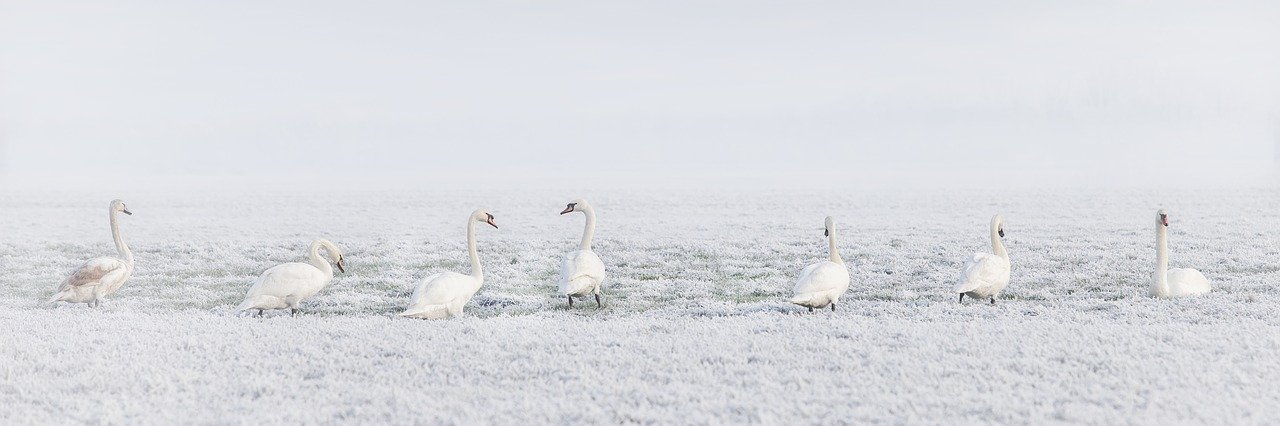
(427, 312)
(802, 299)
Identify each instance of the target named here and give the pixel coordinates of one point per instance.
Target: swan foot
(598, 304)
(570, 301)
(961, 297)
(259, 313)
(993, 300)
(811, 309)
(293, 312)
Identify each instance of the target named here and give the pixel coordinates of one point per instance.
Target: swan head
(483, 217)
(117, 205)
(334, 253)
(997, 223)
(576, 206)
(1162, 218)
(829, 226)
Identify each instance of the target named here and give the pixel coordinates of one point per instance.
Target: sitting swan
(821, 284)
(444, 294)
(102, 276)
(582, 271)
(987, 274)
(1173, 282)
(286, 285)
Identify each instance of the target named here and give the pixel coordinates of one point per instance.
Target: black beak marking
(1001, 232)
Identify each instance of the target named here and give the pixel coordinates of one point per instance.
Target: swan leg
(993, 300)
(833, 306)
(961, 297)
(259, 313)
(598, 304)
(293, 312)
(570, 301)
(811, 309)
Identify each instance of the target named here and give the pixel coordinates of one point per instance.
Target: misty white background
(638, 92)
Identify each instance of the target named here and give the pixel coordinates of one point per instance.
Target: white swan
(821, 284)
(444, 294)
(1175, 282)
(99, 277)
(582, 271)
(286, 285)
(987, 274)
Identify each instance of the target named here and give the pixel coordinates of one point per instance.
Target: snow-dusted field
(695, 328)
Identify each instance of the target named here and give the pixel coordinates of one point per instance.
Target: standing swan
(102, 276)
(444, 294)
(286, 285)
(987, 274)
(1175, 282)
(582, 271)
(821, 284)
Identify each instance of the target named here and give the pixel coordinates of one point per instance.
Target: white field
(696, 328)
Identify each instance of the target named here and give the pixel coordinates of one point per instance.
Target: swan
(444, 294)
(286, 285)
(821, 284)
(582, 271)
(1175, 282)
(102, 276)
(987, 274)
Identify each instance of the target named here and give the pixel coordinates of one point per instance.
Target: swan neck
(588, 230)
(476, 271)
(1160, 283)
(317, 261)
(121, 247)
(831, 247)
(997, 246)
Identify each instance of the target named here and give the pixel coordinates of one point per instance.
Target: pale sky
(629, 92)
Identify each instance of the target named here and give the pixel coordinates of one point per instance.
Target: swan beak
(826, 232)
(1001, 233)
(490, 222)
(568, 209)
(342, 265)
(126, 211)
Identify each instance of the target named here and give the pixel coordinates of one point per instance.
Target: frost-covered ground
(695, 328)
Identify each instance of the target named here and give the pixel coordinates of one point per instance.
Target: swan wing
(983, 270)
(820, 277)
(94, 272)
(1187, 282)
(579, 270)
(288, 278)
(441, 290)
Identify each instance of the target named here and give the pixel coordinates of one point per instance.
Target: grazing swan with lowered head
(102, 276)
(286, 285)
(1175, 282)
(821, 284)
(987, 274)
(444, 294)
(582, 271)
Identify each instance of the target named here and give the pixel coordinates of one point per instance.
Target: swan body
(821, 284)
(102, 276)
(987, 274)
(1177, 282)
(582, 271)
(286, 285)
(443, 295)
